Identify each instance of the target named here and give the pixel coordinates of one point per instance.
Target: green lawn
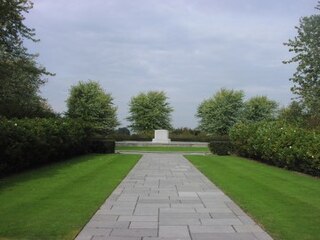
(163, 149)
(286, 203)
(54, 202)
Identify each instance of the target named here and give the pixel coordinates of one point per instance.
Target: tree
(220, 112)
(19, 90)
(259, 108)
(293, 114)
(149, 111)
(20, 75)
(123, 131)
(306, 46)
(89, 102)
(12, 28)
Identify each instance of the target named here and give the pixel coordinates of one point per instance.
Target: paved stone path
(165, 197)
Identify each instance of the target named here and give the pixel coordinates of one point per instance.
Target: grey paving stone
(227, 221)
(185, 215)
(144, 225)
(107, 224)
(115, 238)
(246, 220)
(187, 194)
(187, 205)
(146, 211)
(139, 232)
(223, 215)
(83, 236)
(262, 236)
(211, 229)
(223, 236)
(138, 218)
(173, 231)
(88, 232)
(165, 238)
(248, 228)
(214, 210)
(178, 221)
(177, 210)
(103, 217)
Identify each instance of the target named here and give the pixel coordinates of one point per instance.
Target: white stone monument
(161, 136)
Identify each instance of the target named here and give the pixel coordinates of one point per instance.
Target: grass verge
(286, 203)
(54, 202)
(163, 149)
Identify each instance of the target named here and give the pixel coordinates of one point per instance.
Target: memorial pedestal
(161, 136)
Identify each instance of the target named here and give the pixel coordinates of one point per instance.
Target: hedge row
(26, 143)
(173, 137)
(279, 144)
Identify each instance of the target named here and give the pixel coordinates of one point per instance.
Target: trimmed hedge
(101, 145)
(25, 143)
(174, 137)
(220, 147)
(280, 144)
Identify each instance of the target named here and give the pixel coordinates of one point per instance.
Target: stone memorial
(161, 136)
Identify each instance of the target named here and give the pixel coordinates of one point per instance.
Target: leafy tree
(293, 114)
(149, 111)
(20, 75)
(220, 112)
(12, 28)
(259, 108)
(123, 131)
(89, 102)
(306, 46)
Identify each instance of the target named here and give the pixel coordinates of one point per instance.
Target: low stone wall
(171, 144)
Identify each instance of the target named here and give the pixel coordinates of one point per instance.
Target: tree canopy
(89, 102)
(306, 47)
(150, 111)
(259, 108)
(220, 112)
(20, 75)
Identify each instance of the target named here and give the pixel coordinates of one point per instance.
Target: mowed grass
(286, 203)
(56, 201)
(162, 149)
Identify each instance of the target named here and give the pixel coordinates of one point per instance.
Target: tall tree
(294, 114)
(220, 112)
(89, 102)
(12, 28)
(306, 46)
(20, 75)
(150, 111)
(259, 108)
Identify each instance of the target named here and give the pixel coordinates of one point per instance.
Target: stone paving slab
(165, 197)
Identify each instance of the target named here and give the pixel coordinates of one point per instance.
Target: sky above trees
(189, 49)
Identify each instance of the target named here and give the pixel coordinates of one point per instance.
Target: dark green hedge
(220, 147)
(174, 137)
(279, 144)
(25, 143)
(101, 145)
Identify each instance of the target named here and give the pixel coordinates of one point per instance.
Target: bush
(100, 145)
(279, 144)
(26, 143)
(220, 147)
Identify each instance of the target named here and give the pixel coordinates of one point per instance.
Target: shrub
(279, 144)
(26, 143)
(220, 147)
(100, 145)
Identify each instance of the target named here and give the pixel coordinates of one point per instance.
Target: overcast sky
(187, 48)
